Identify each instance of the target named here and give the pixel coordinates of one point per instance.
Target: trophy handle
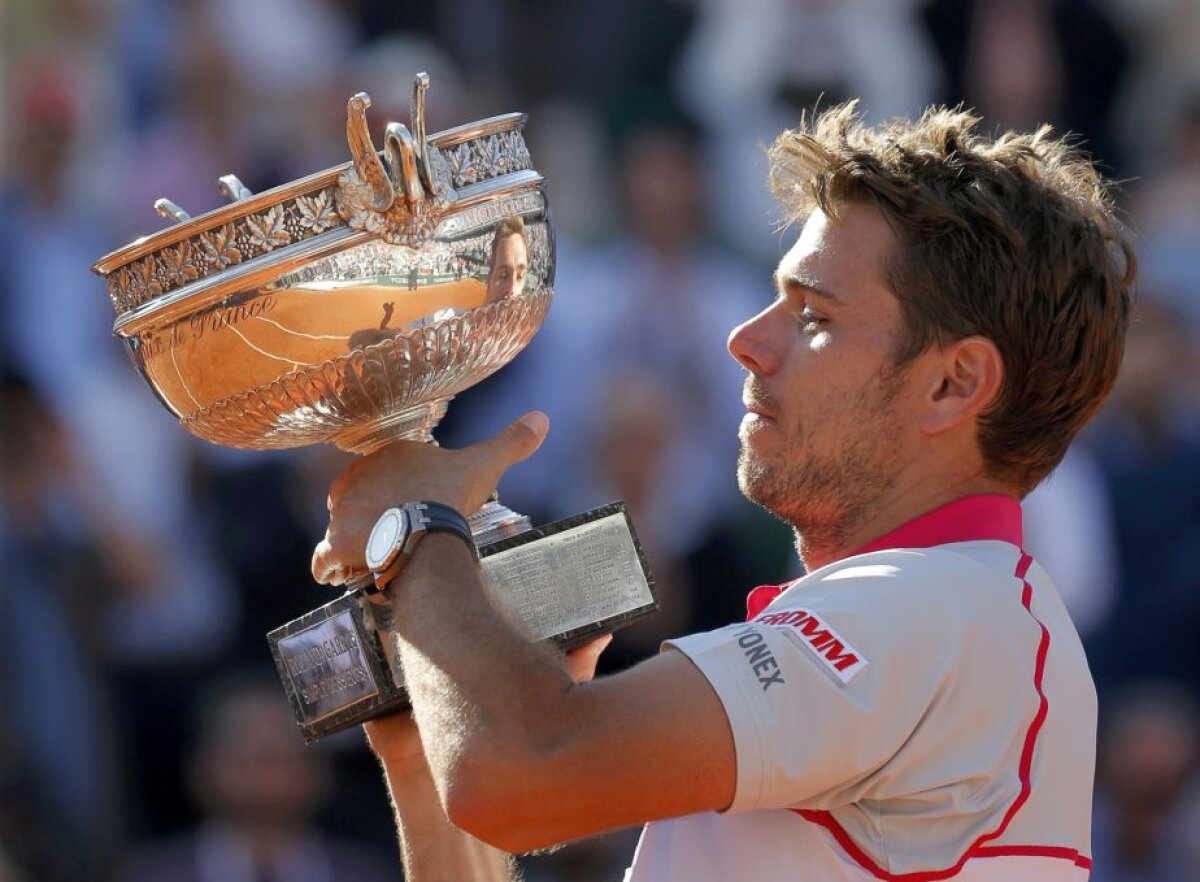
(232, 188)
(417, 118)
(171, 211)
(366, 159)
(403, 163)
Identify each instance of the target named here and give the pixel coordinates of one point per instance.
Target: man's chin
(754, 483)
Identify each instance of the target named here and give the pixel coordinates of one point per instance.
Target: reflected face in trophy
(510, 261)
(829, 419)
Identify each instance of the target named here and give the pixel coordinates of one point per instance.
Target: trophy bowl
(349, 307)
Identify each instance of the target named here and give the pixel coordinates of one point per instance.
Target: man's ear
(965, 380)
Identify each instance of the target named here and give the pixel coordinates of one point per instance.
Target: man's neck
(904, 502)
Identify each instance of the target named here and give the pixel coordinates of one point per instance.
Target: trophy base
(566, 582)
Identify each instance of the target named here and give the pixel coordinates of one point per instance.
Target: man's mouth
(756, 402)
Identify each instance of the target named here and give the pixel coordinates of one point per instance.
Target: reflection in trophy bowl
(348, 306)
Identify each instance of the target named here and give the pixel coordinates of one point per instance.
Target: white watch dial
(384, 536)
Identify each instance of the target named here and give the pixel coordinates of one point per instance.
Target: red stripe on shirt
(1050, 851)
(978, 848)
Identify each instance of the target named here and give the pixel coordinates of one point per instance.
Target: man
(918, 707)
(510, 260)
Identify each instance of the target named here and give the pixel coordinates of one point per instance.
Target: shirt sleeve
(825, 689)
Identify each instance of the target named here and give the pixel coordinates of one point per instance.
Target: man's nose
(753, 343)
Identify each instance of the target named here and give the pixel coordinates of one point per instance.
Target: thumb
(517, 441)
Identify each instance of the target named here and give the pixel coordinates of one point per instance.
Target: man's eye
(811, 322)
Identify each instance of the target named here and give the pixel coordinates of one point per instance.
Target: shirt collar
(969, 519)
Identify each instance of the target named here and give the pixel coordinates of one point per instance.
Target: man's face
(509, 268)
(830, 421)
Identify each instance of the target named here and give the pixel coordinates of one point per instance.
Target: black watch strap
(438, 518)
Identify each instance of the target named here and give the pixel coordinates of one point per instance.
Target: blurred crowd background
(143, 735)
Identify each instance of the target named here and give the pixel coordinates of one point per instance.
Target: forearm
(489, 703)
(432, 848)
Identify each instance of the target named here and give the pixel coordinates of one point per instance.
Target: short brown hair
(1013, 238)
(512, 225)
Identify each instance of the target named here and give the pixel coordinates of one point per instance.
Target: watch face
(384, 538)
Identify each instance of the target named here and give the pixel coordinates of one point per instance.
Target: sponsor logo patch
(825, 643)
(754, 646)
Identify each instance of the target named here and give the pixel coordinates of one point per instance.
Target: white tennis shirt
(921, 710)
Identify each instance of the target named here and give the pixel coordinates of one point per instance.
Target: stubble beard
(825, 495)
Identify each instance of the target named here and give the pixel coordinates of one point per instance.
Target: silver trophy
(350, 306)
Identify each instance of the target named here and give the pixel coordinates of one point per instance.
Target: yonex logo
(830, 649)
(762, 662)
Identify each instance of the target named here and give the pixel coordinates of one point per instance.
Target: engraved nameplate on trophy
(568, 582)
(573, 579)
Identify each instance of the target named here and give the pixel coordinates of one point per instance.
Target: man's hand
(407, 471)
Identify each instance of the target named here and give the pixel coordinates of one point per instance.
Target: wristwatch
(398, 531)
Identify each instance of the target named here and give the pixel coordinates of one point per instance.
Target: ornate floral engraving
(316, 213)
(482, 159)
(136, 284)
(211, 251)
(177, 266)
(216, 247)
(265, 231)
(308, 215)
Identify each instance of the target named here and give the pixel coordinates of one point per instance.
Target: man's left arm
(431, 847)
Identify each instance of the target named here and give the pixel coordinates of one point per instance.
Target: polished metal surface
(350, 305)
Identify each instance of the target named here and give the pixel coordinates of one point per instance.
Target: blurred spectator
(661, 302)
(56, 326)
(62, 563)
(42, 40)
(258, 787)
(174, 607)
(621, 62)
(49, 235)
(1021, 63)
(1147, 444)
(751, 67)
(1163, 77)
(1148, 753)
(567, 139)
(199, 136)
(281, 81)
(1166, 205)
(1070, 531)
